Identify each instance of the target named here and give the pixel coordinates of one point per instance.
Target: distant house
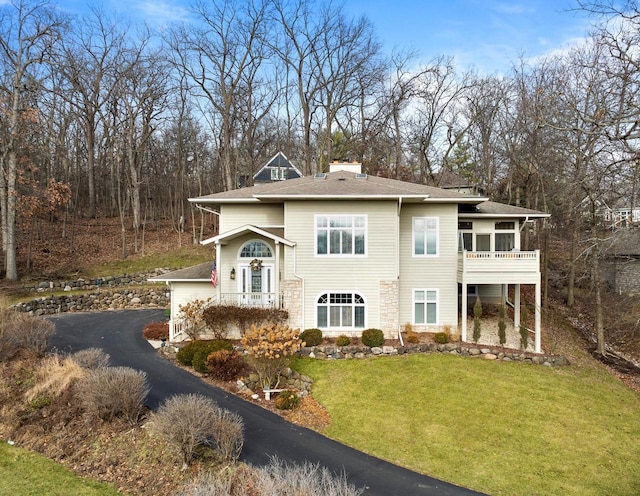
(620, 268)
(277, 169)
(449, 180)
(344, 251)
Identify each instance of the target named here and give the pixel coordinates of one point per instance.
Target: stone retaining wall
(156, 297)
(98, 283)
(487, 353)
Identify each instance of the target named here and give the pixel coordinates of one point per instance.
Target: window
(425, 235)
(425, 306)
(341, 234)
(345, 310)
(279, 174)
(505, 241)
(255, 249)
(483, 242)
(465, 236)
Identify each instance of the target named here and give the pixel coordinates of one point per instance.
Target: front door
(256, 287)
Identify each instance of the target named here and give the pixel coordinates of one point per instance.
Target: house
(344, 251)
(277, 169)
(620, 267)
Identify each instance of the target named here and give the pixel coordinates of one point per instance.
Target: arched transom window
(256, 249)
(340, 310)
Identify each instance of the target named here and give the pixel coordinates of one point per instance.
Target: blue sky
(487, 34)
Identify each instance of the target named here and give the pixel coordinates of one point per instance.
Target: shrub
(280, 477)
(477, 314)
(343, 340)
(156, 330)
(192, 315)
(269, 348)
(224, 364)
(441, 337)
(114, 392)
(287, 400)
(228, 434)
(91, 358)
(311, 337)
(372, 337)
(219, 318)
(21, 331)
(189, 422)
(187, 353)
(502, 326)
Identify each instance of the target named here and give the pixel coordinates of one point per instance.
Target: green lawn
(497, 427)
(24, 473)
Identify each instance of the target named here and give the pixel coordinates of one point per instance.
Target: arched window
(340, 310)
(256, 249)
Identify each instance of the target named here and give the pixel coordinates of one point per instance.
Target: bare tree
(30, 31)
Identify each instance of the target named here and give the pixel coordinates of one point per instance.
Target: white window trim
(341, 328)
(340, 255)
(413, 306)
(256, 240)
(413, 238)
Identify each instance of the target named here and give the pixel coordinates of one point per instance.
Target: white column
(277, 275)
(516, 307)
(219, 267)
(538, 343)
(463, 312)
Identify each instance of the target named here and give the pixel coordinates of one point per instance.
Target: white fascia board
(243, 229)
(502, 216)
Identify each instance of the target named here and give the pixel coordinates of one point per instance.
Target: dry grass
(54, 376)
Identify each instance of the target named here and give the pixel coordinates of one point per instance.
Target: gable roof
(279, 161)
(341, 185)
(273, 233)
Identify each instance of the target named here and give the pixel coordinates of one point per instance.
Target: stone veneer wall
(390, 308)
(291, 290)
(622, 275)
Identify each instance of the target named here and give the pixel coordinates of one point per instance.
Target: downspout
(398, 265)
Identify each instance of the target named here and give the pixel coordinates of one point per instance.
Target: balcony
(499, 267)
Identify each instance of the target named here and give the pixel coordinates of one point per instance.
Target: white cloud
(157, 12)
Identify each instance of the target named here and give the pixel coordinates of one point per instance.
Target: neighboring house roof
(625, 243)
(339, 185)
(272, 233)
(280, 163)
(196, 273)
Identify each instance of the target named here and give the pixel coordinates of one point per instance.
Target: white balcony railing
(499, 262)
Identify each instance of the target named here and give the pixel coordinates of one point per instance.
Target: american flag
(214, 275)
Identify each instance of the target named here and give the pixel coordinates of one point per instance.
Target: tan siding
(361, 274)
(261, 215)
(437, 272)
(185, 292)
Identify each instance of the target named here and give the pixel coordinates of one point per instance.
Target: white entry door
(256, 287)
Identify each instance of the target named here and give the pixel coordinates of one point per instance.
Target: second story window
(341, 234)
(279, 174)
(425, 236)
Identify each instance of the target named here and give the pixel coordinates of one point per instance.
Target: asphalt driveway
(266, 435)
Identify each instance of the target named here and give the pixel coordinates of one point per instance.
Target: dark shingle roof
(338, 185)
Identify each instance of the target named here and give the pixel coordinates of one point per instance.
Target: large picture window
(425, 306)
(340, 310)
(425, 236)
(341, 234)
